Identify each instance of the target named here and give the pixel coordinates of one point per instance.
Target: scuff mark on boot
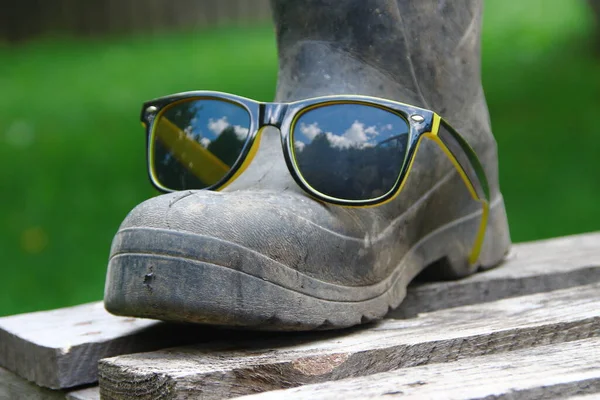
(149, 279)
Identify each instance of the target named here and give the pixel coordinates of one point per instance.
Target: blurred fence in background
(26, 19)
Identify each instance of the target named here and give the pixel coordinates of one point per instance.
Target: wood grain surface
(553, 371)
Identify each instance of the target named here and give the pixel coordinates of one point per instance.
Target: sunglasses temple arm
(470, 169)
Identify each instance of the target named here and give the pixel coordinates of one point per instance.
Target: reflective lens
(195, 143)
(350, 151)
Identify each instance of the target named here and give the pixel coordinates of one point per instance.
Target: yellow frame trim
(479, 237)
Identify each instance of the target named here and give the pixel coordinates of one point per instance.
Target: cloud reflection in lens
(196, 142)
(350, 151)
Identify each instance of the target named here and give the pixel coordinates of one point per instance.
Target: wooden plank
(553, 371)
(234, 368)
(61, 348)
(533, 267)
(14, 387)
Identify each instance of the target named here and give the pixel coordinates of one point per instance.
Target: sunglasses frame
(422, 124)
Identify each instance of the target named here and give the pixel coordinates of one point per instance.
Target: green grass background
(72, 151)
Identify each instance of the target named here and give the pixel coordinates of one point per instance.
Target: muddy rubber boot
(262, 254)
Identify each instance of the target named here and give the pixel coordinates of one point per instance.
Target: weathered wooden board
(552, 371)
(229, 369)
(13, 387)
(533, 267)
(61, 348)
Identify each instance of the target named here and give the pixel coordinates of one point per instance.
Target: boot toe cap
(231, 229)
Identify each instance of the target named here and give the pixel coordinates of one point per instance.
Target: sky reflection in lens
(197, 142)
(350, 151)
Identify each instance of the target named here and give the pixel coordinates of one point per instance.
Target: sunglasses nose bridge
(273, 113)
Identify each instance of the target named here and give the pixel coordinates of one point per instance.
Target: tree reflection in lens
(350, 151)
(196, 142)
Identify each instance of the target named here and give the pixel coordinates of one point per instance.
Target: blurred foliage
(72, 149)
(541, 76)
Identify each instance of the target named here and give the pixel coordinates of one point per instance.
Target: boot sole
(262, 294)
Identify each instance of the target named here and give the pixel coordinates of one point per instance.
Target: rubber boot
(264, 255)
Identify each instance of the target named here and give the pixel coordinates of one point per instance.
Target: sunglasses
(347, 150)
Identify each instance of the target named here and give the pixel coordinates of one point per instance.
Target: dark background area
(72, 80)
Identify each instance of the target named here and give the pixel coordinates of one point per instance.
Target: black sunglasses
(347, 150)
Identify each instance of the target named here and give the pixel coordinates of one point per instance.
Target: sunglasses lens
(195, 143)
(350, 151)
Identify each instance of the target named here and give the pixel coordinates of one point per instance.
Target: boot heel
(455, 264)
